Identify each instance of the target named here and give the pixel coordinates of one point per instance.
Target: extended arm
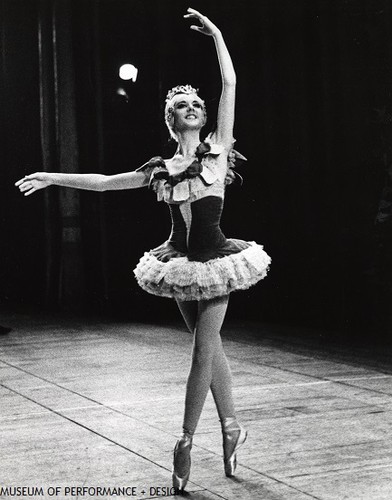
(225, 119)
(92, 182)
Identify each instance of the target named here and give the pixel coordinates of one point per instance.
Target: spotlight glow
(128, 72)
(121, 91)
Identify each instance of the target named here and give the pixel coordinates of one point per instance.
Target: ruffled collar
(201, 172)
(161, 173)
(206, 147)
(172, 187)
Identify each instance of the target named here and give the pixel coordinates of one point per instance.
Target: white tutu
(183, 279)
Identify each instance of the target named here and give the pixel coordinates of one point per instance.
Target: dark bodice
(195, 199)
(195, 228)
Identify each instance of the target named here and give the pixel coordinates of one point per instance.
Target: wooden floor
(99, 405)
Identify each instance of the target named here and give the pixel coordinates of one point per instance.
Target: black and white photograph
(196, 249)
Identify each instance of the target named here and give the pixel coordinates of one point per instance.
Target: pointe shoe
(182, 462)
(234, 436)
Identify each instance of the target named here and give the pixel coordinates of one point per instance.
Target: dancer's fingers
(194, 12)
(31, 191)
(24, 179)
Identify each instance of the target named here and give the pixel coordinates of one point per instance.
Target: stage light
(122, 93)
(128, 72)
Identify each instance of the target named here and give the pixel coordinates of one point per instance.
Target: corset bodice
(195, 227)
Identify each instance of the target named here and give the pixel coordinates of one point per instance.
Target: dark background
(313, 118)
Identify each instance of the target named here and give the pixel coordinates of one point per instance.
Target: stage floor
(87, 404)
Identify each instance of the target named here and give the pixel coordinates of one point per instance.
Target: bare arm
(225, 119)
(91, 182)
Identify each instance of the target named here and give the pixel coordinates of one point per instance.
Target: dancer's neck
(187, 143)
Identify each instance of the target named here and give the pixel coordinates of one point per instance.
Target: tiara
(180, 89)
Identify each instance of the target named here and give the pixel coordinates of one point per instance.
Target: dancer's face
(188, 112)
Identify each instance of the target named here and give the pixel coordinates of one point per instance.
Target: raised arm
(92, 182)
(225, 118)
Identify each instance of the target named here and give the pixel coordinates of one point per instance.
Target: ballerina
(197, 266)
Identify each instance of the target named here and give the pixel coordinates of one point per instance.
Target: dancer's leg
(188, 309)
(221, 384)
(209, 369)
(206, 345)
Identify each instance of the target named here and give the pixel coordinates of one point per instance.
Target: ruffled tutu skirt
(168, 273)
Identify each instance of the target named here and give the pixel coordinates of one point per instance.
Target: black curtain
(314, 93)
(22, 247)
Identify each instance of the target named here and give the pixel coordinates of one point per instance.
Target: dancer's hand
(33, 182)
(207, 27)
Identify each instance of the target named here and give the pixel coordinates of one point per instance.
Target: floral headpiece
(180, 89)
